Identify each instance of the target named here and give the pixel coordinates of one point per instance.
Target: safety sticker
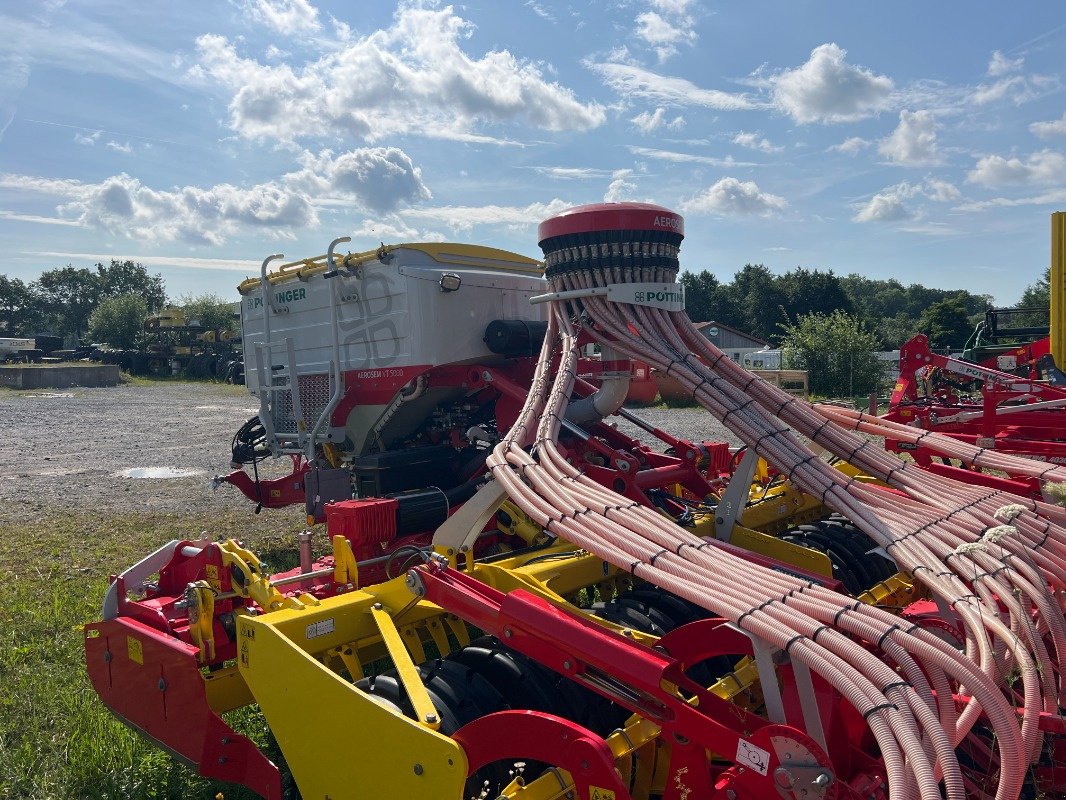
(753, 756)
(320, 628)
(134, 649)
(596, 793)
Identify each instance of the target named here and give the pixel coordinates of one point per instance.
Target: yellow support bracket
(200, 598)
(425, 712)
(345, 569)
(249, 581)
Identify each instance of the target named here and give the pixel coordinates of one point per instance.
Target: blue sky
(916, 140)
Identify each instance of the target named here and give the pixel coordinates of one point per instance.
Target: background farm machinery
(464, 635)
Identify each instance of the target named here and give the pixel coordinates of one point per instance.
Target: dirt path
(76, 448)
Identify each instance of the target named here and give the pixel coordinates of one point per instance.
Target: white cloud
(463, 218)
(229, 264)
(1044, 167)
(275, 53)
(122, 205)
(688, 158)
(1045, 130)
(990, 93)
(620, 188)
(1053, 197)
(572, 173)
(883, 207)
(851, 146)
(378, 178)
(647, 122)
(411, 78)
(664, 35)
(730, 197)
(15, 216)
(888, 204)
(539, 10)
(942, 191)
(14, 75)
(999, 64)
(88, 139)
(913, 142)
(632, 81)
(289, 17)
(665, 25)
(121, 147)
(754, 142)
(827, 89)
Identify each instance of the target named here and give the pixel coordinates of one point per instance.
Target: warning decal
(596, 793)
(751, 755)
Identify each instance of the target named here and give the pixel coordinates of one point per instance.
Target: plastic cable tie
(881, 707)
(799, 464)
(634, 565)
(896, 685)
(651, 561)
(885, 635)
(784, 405)
(818, 630)
(792, 641)
(820, 428)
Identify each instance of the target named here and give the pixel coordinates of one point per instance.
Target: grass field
(57, 740)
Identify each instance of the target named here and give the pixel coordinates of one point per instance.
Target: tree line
(107, 304)
(759, 302)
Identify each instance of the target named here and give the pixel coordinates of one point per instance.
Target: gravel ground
(73, 447)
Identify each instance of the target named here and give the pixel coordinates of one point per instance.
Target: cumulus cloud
(851, 146)
(378, 179)
(913, 142)
(290, 17)
(827, 89)
(411, 78)
(1044, 167)
(883, 207)
(120, 147)
(648, 121)
(888, 205)
(1045, 130)
(999, 64)
(122, 205)
(755, 142)
(632, 81)
(620, 188)
(665, 27)
(730, 197)
(88, 139)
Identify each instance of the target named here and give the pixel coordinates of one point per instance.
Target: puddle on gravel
(157, 472)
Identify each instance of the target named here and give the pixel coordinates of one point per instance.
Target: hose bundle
(1003, 595)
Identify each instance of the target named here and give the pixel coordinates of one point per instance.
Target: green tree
(810, 291)
(119, 321)
(704, 295)
(69, 295)
(19, 307)
(130, 277)
(947, 323)
(836, 349)
(209, 311)
(760, 300)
